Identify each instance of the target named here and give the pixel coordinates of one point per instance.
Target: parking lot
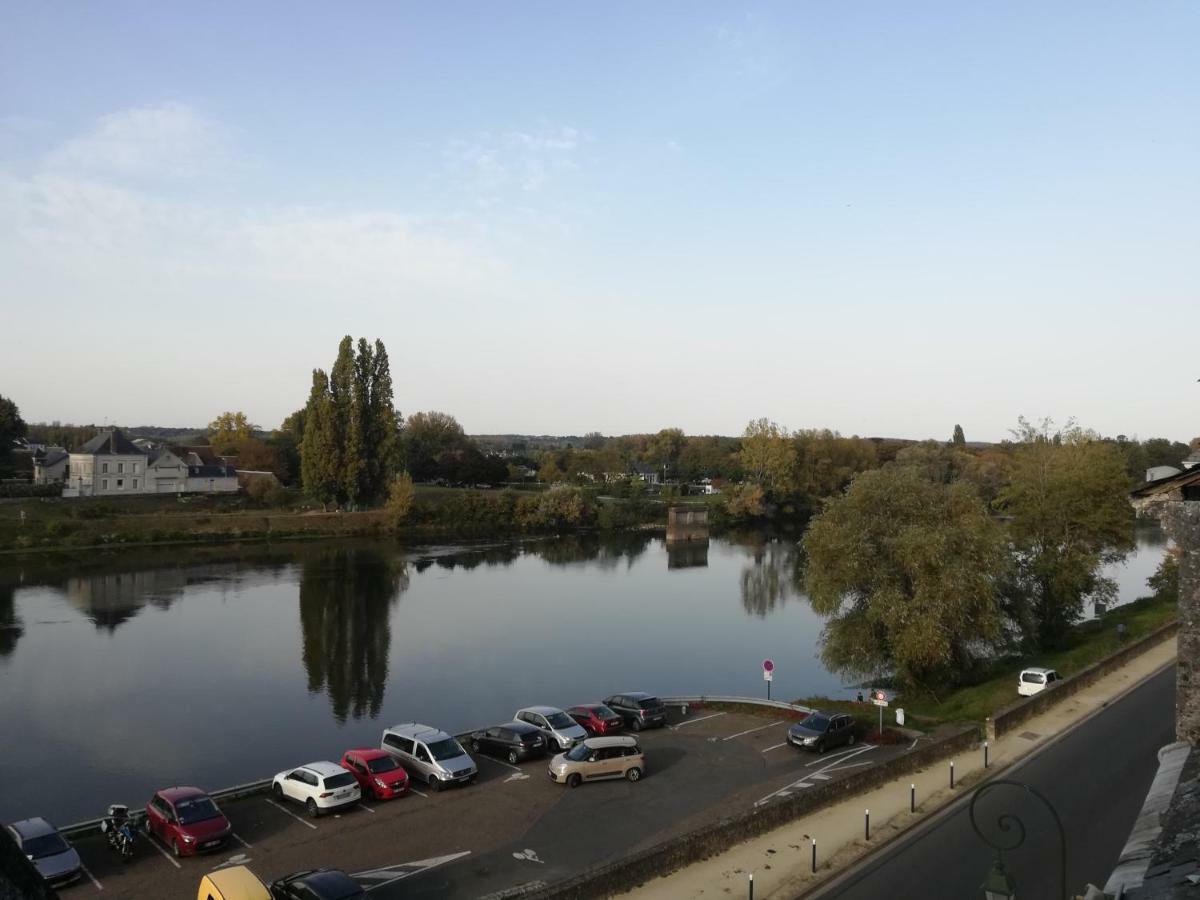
(512, 828)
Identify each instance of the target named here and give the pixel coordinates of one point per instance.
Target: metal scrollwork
(1010, 830)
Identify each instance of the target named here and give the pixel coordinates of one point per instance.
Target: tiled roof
(111, 443)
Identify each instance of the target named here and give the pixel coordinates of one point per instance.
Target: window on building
(135, 468)
(104, 468)
(135, 484)
(120, 484)
(120, 468)
(104, 484)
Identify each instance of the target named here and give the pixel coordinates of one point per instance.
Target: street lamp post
(998, 885)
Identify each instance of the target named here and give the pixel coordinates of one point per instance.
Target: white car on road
(320, 786)
(560, 730)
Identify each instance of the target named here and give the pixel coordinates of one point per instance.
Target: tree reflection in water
(345, 598)
(11, 628)
(774, 576)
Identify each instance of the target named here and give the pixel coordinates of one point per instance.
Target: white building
(110, 465)
(50, 465)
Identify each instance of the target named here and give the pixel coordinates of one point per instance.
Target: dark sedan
(317, 884)
(513, 741)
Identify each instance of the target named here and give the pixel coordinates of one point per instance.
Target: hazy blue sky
(882, 218)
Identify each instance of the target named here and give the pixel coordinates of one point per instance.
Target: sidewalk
(780, 861)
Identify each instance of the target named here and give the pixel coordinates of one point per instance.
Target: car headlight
(188, 839)
(381, 782)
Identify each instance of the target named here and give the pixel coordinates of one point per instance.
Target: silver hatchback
(52, 855)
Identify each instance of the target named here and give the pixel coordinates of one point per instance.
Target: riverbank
(83, 524)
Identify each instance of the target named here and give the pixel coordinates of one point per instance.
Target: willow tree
(906, 572)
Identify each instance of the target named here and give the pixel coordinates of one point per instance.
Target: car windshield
(444, 750)
(383, 764)
(579, 752)
(560, 720)
(44, 845)
(817, 723)
(342, 779)
(196, 810)
(1032, 678)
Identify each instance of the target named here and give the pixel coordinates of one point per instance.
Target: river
(123, 673)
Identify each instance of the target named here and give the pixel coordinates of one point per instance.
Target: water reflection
(604, 551)
(346, 595)
(687, 554)
(773, 577)
(11, 628)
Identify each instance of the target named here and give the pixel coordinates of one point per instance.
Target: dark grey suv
(821, 731)
(638, 709)
(513, 741)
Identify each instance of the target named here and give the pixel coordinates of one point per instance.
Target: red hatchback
(597, 719)
(377, 773)
(187, 820)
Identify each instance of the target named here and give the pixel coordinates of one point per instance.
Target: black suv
(638, 709)
(820, 731)
(514, 741)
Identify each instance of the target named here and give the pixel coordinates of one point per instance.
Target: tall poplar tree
(346, 422)
(384, 428)
(959, 438)
(319, 457)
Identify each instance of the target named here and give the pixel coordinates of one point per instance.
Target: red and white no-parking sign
(768, 670)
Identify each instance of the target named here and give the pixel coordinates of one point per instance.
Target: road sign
(768, 666)
(768, 675)
(879, 698)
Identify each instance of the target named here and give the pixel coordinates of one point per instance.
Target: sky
(878, 218)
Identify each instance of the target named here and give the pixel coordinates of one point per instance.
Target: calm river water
(216, 666)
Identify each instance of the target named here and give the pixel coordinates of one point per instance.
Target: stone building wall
(1181, 519)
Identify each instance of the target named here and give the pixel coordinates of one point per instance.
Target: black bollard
(814, 856)
(912, 798)
(867, 825)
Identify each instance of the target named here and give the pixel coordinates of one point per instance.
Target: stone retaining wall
(1021, 711)
(675, 853)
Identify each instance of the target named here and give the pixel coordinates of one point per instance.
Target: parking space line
(91, 877)
(694, 721)
(834, 766)
(367, 808)
(775, 747)
(153, 841)
(288, 812)
(419, 793)
(752, 730)
(828, 757)
(241, 840)
(499, 763)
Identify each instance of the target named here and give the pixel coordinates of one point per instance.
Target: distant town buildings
(112, 465)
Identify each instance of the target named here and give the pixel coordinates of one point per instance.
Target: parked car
(638, 709)
(317, 884)
(513, 741)
(560, 730)
(320, 786)
(51, 853)
(232, 883)
(596, 719)
(377, 773)
(430, 754)
(187, 820)
(597, 758)
(1034, 680)
(821, 731)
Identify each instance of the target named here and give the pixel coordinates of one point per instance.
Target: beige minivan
(597, 758)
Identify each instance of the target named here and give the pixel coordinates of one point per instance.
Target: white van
(1035, 680)
(430, 754)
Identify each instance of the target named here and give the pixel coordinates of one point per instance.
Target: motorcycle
(118, 830)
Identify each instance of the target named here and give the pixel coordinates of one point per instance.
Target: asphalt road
(1096, 777)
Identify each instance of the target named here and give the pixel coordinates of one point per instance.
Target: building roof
(51, 457)
(111, 443)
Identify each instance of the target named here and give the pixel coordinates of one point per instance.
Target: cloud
(490, 165)
(164, 140)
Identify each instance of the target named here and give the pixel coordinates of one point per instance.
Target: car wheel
(175, 847)
(475, 746)
(435, 784)
(311, 805)
(820, 746)
(512, 757)
(850, 740)
(277, 790)
(574, 780)
(634, 774)
(636, 724)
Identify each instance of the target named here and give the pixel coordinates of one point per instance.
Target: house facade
(50, 465)
(110, 465)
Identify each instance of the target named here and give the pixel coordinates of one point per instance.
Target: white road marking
(828, 757)
(530, 855)
(694, 721)
(364, 806)
(776, 747)
(914, 743)
(752, 730)
(288, 812)
(241, 840)
(391, 874)
(91, 877)
(500, 763)
(516, 776)
(419, 793)
(833, 766)
(238, 859)
(153, 841)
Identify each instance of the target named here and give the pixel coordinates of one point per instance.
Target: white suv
(1035, 680)
(320, 786)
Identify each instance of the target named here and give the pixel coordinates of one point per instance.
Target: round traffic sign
(768, 666)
